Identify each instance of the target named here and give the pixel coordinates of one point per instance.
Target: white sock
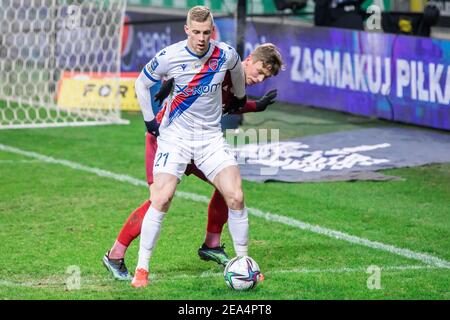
(151, 227)
(238, 226)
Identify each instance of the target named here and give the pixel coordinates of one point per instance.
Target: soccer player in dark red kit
(265, 61)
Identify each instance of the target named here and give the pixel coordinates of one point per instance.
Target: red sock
(132, 227)
(217, 213)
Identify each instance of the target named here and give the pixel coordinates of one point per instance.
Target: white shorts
(210, 156)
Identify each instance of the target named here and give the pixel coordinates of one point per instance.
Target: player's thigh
(228, 181)
(171, 157)
(192, 169)
(214, 157)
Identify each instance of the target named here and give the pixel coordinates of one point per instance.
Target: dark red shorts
(151, 145)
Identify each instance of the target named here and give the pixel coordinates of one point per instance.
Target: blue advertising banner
(399, 78)
(141, 42)
(393, 77)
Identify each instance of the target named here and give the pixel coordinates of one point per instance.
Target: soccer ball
(242, 273)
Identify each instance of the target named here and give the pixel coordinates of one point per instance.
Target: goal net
(60, 62)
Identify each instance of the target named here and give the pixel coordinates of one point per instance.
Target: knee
(161, 201)
(235, 200)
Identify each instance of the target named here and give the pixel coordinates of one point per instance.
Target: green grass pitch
(55, 219)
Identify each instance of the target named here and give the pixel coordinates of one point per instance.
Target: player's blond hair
(199, 14)
(270, 56)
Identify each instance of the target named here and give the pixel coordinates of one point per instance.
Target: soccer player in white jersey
(190, 129)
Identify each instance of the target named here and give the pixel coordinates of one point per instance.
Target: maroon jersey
(227, 94)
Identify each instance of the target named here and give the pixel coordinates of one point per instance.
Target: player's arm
(250, 106)
(164, 91)
(149, 76)
(237, 80)
(254, 105)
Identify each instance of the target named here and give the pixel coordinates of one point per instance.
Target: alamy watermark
(373, 22)
(73, 19)
(374, 279)
(256, 139)
(73, 282)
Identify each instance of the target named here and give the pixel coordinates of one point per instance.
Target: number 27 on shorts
(161, 156)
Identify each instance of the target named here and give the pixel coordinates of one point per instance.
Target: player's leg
(228, 182)
(130, 231)
(211, 250)
(217, 217)
(114, 260)
(218, 163)
(162, 192)
(169, 166)
(132, 228)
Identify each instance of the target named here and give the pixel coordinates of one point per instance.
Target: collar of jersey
(196, 55)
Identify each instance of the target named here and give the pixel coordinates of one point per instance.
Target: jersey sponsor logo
(200, 84)
(183, 66)
(198, 90)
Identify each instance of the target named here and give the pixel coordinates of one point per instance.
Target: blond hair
(199, 14)
(270, 56)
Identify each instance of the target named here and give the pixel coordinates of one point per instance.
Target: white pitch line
(423, 257)
(350, 270)
(208, 274)
(19, 161)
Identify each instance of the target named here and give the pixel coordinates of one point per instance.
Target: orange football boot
(140, 278)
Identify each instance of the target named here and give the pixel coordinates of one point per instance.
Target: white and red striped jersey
(194, 108)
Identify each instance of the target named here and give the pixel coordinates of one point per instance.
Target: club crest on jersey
(213, 64)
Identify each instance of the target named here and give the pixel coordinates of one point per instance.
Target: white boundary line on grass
(422, 257)
(328, 270)
(19, 161)
(208, 274)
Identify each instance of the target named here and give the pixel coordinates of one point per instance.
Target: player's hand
(235, 105)
(164, 91)
(266, 100)
(152, 127)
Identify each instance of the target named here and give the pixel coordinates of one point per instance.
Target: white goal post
(48, 50)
